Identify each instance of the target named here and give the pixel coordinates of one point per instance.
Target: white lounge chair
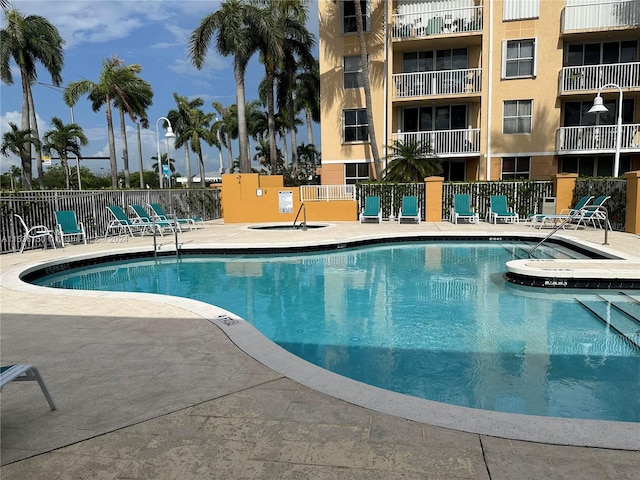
(37, 232)
(24, 373)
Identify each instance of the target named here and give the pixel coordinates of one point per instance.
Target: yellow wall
(241, 202)
(632, 218)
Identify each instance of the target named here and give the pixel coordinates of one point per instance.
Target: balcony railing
(592, 77)
(601, 15)
(443, 82)
(436, 22)
(597, 139)
(325, 193)
(445, 142)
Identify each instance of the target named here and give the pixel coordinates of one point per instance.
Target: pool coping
(574, 432)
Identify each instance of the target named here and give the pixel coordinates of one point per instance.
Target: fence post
(632, 220)
(433, 199)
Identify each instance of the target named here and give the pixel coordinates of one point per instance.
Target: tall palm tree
(114, 85)
(226, 125)
(197, 130)
(234, 35)
(64, 139)
(307, 95)
(180, 119)
(14, 141)
(411, 161)
(366, 85)
(29, 40)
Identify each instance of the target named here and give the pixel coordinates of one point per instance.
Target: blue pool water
(432, 320)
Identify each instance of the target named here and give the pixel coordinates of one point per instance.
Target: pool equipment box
(547, 205)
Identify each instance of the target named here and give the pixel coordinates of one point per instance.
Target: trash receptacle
(547, 205)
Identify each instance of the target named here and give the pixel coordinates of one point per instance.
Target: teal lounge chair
(461, 209)
(159, 213)
(498, 210)
(409, 209)
(69, 226)
(143, 217)
(35, 233)
(568, 218)
(372, 210)
(24, 373)
(595, 213)
(123, 223)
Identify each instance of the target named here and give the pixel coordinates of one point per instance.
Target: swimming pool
(433, 319)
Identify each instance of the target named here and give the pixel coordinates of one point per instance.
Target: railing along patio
(445, 142)
(410, 23)
(579, 15)
(592, 77)
(597, 138)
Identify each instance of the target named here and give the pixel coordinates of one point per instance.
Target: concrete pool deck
(153, 388)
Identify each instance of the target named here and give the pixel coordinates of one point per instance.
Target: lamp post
(169, 134)
(598, 107)
(220, 149)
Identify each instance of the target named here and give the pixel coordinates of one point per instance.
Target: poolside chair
(583, 202)
(595, 213)
(67, 225)
(159, 213)
(143, 217)
(125, 224)
(372, 210)
(461, 209)
(409, 209)
(498, 210)
(24, 373)
(35, 233)
(568, 217)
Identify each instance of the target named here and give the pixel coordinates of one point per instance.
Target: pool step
(618, 312)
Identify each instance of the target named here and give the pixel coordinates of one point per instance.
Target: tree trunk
(201, 159)
(307, 114)
(243, 137)
(112, 146)
(140, 156)
(125, 148)
(25, 152)
(187, 161)
(292, 131)
(229, 153)
(271, 120)
(367, 91)
(67, 171)
(34, 128)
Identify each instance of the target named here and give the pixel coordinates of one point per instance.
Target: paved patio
(152, 387)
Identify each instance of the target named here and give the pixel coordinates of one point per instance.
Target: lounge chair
(159, 213)
(568, 217)
(582, 203)
(409, 209)
(461, 209)
(372, 210)
(24, 373)
(37, 232)
(498, 210)
(69, 226)
(125, 224)
(143, 217)
(595, 213)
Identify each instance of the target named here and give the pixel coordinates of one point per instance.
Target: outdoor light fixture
(598, 107)
(169, 134)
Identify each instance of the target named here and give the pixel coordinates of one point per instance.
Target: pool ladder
(156, 247)
(303, 224)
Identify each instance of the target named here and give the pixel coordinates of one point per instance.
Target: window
(517, 116)
(349, 16)
(453, 170)
(599, 166)
(426, 119)
(356, 172)
(518, 58)
(352, 72)
(579, 54)
(520, 9)
(356, 127)
(433, 60)
(515, 168)
(577, 114)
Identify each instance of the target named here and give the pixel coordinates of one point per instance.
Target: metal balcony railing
(600, 15)
(446, 142)
(407, 24)
(443, 82)
(597, 139)
(592, 77)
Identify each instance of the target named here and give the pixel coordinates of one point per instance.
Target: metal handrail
(302, 209)
(555, 229)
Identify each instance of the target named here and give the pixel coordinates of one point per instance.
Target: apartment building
(499, 89)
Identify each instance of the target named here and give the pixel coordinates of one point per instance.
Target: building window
(599, 166)
(435, 60)
(577, 114)
(453, 170)
(515, 168)
(520, 9)
(518, 58)
(352, 72)
(349, 16)
(356, 172)
(356, 127)
(579, 54)
(517, 116)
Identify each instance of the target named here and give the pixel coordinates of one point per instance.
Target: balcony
(597, 139)
(600, 16)
(411, 25)
(449, 143)
(591, 77)
(444, 82)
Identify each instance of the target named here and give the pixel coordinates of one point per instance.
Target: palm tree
(14, 141)
(64, 139)
(180, 119)
(195, 131)
(164, 160)
(234, 35)
(411, 161)
(307, 95)
(364, 62)
(118, 83)
(226, 125)
(29, 40)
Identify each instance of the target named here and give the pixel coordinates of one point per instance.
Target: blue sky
(154, 34)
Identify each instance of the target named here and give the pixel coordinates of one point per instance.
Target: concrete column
(564, 186)
(433, 198)
(632, 220)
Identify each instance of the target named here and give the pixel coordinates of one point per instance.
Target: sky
(153, 34)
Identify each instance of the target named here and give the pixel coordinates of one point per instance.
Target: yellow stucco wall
(251, 197)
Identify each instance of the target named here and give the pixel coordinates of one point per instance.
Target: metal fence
(390, 196)
(39, 207)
